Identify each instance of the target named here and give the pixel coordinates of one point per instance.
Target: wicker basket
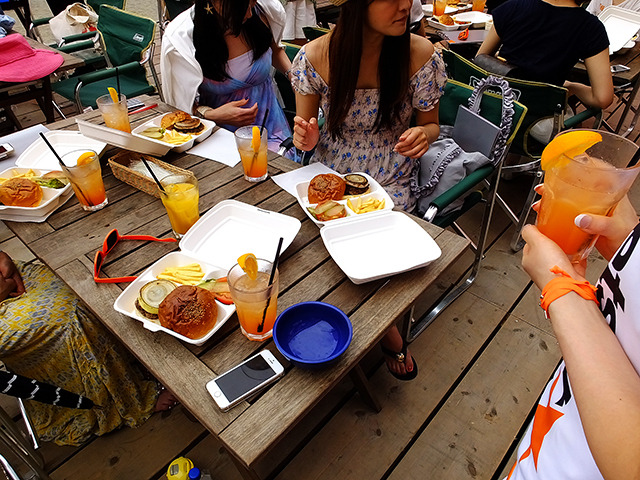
(120, 166)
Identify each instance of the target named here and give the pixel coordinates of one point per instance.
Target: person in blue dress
(216, 61)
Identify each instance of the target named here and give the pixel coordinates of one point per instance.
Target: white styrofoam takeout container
(215, 241)
(433, 21)
(621, 26)
(369, 248)
(375, 191)
(477, 19)
(50, 196)
(39, 155)
(123, 139)
(156, 122)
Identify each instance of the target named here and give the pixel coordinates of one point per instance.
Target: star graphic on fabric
(209, 9)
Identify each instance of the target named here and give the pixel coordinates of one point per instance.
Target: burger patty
(144, 313)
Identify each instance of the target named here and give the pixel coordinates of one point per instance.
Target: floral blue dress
(257, 87)
(360, 148)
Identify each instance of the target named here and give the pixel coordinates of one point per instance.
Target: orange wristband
(562, 285)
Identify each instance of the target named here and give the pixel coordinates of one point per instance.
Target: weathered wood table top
(68, 240)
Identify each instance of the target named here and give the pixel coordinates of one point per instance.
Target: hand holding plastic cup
(583, 175)
(114, 111)
(252, 147)
(82, 168)
(181, 198)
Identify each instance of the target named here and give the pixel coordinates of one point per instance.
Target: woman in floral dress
(370, 75)
(47, 334)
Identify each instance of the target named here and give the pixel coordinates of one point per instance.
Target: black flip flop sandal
(400, 357)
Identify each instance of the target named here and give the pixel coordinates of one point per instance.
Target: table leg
(627, 107)
(361, 382)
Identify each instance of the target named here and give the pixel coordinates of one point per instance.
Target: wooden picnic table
(67, 243)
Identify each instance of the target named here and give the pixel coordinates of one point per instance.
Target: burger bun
(20, 192)
(170, 119)
(189, 310)
(326, 187)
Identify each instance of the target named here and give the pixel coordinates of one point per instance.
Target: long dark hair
(209, 28)
(345, 52)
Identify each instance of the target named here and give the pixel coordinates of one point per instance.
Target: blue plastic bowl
(312, 335)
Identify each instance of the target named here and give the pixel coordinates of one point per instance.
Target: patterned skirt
(49, 335)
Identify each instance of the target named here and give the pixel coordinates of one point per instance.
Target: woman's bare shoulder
(317, 53)
(421, 51)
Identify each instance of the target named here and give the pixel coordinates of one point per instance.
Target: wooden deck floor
(483, 364)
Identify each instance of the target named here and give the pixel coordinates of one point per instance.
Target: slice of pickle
(153, 132)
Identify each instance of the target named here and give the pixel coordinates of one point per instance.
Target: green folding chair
(311, 33)
(128, 42)
(170, 9)
(284, 86)
(480, 186)
(543, 101)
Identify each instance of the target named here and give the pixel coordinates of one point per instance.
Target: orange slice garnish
(249, 263)
(115, 98)
(85, 158)
(255, 139)
(566, 146)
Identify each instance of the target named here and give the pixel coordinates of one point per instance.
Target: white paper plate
(125, 303)
(123, 139)
(155, 122)
(369, 248)
(477, 19)
(38, 154)
(375, 191)
(621, 26)
(50, 196)
(233, 228)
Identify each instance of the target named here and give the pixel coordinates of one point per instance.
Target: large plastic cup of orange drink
(82, 168)
(439, 7)
(115, 115)
(180, 197)
(583, 175)
(256, 301)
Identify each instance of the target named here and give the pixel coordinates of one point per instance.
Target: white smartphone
(242, 381)
(619, 68)
(6, 150)
(134, 104)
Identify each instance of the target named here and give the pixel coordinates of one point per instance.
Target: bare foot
(166, 401)
(398, 364)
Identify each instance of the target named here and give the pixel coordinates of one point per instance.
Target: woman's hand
(234, 113)
(305, 134)
(10, 280)
(541, 253)
(413, 143)
(612, 230)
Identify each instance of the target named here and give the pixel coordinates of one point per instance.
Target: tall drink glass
(180, 198)
(439, 7)
(254, 160)
(256, 301)
(593, 182)
(115, 115)
(82, 168)
(478, 5)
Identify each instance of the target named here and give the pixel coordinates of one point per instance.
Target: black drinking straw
(118, 83)
(273, 272)
(144, 160)
(62, 164)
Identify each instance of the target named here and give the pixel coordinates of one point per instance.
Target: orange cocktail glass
(115, 115)
(439, 7)
(82, 168)
(252, 153)
(256, 301)
(181, 200)
(590, 182)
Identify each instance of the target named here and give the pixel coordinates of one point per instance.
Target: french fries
(370, 205)
(175, 138)
(191, 274)
(29, 175)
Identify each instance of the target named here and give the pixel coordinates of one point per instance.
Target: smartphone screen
(244, 377)
(2, 149)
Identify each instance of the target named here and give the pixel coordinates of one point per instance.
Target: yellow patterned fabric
(49, 335)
